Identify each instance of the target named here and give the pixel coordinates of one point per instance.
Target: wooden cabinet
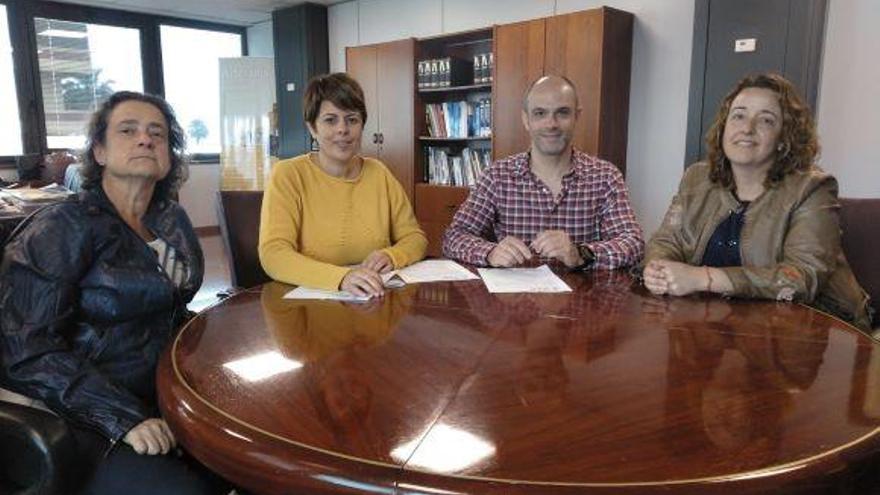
(519, 60)
(386, 72)
(592, 48)
(435, 206)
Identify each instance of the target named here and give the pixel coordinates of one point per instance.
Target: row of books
(460, 119)
(443, 72)
(483, 65)
(447, 169)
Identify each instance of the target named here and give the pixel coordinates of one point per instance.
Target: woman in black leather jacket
(93, 289)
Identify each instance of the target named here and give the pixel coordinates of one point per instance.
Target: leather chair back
(860, 225)
(38, 452)
(239, 215)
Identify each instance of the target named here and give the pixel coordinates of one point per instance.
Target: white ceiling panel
(240, 12)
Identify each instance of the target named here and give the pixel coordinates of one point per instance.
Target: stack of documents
(27, 199)
(423, 271)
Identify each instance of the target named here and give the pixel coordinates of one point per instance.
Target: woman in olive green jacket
(758, 218)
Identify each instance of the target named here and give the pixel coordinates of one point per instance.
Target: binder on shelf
(424, 73)
(491, 68)
(433, 78)
(484, 68)
(478, 70)
(443, 72)
(485, 117)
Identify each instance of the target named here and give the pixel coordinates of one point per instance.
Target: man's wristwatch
(587, 255)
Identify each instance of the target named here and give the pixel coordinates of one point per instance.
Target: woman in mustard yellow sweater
(333, 219)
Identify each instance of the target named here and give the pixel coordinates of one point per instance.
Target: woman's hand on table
(655, 278)
(378, 261)
(674, 278)
(363, 282)
(151, 437)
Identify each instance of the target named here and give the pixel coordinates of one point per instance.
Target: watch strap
(587, 255)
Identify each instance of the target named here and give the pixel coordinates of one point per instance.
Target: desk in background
(13, 211)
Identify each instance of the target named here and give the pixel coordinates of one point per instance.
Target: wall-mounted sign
(745, 45)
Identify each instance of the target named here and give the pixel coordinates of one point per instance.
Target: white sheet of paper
(392, 281)
(430, 271)
(507, 280)
(329, 295)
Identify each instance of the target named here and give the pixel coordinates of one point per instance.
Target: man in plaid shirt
(553, 200)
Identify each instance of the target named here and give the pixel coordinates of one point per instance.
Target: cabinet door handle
(381, 138)
(375, 138)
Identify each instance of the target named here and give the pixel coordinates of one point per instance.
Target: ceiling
(240, 12)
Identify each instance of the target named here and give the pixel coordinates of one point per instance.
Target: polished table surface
(443, 388)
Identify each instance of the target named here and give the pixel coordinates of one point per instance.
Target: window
(80, 66)
(10, 124)
(190, 63)
(81, 54)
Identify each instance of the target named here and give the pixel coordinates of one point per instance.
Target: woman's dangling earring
(782, 150)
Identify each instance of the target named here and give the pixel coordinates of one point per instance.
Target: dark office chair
(239, 215)
(37, 452)
(860, 237)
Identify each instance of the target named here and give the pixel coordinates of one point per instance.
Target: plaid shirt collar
(580, 164)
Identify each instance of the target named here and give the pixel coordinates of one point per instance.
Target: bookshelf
(439, 191)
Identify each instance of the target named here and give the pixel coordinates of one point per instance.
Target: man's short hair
(525, 101)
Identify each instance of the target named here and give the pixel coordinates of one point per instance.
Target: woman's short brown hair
(798, 139)
(338, 88)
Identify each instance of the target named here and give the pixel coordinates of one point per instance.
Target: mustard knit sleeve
(408, 240)
(280, 224)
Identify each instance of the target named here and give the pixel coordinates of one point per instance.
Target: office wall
(198, 195)
(662, 38)
(260, 41)
(849, 97)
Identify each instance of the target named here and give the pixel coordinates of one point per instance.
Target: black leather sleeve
(39, 291)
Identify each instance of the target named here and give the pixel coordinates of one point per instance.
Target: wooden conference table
(443, 388)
